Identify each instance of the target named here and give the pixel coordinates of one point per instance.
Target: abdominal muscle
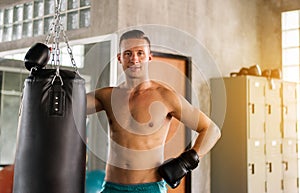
(135, 159)
(134, 167)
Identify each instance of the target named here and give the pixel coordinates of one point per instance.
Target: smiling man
(139, 112)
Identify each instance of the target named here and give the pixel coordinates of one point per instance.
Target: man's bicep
(189, 115)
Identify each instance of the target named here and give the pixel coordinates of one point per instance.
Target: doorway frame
(188, 96)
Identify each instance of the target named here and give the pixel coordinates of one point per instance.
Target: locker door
(274, 166)
(256, 107)
(256, 86)
(273, 91)
(290, 120)
(289, 147)
(289, 113)
(289, 91)
(256, 166)
(273, 109)
(289, 129)
(273, 120)
(290, 166)
(290, 109)
(290, 174)
(274, 174)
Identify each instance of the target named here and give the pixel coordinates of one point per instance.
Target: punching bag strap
(57, 99)
(57, 96)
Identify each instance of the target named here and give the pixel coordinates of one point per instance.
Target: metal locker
(289, 109)
(273, 91)
(274, 174)
(273, 120)
(289, 147)
(256, 90)
(289, 129)
(273, 109)
(256, 107)
(290, 138)
(256, 121)
(290, 168)
(290, 174)
(259, 137)
(289, 119)
(290, 165)
(256, 166)
(290, 186)
(289, 91)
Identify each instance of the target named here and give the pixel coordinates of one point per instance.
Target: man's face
(134, 56)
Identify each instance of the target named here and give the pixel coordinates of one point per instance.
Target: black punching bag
(51, 150)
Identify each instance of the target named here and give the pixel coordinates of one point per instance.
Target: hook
(57, 75)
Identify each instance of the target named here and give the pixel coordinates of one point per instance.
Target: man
(139, 113)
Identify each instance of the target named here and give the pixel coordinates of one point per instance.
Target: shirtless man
(139, 113)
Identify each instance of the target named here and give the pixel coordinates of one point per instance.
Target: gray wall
(269, 26)
(220, 36)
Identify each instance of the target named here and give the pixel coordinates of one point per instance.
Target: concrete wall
(228, 29)
(270, 29)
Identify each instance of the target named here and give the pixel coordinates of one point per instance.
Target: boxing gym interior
(236, 60)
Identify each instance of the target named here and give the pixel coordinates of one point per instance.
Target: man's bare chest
(143, 113)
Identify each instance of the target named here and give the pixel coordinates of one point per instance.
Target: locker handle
(252, 107)
(285, 109)
(286, 165)
(251, 167)
(269, 109)
(269, 166)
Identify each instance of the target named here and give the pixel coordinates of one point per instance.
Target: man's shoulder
(102, 92)
(105, 89)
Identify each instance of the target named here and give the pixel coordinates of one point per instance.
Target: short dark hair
(134, 34)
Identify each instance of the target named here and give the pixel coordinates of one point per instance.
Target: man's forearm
(206, 139)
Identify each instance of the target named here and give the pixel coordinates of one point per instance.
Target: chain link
(69, 48)
(56, 40)
(55, 28)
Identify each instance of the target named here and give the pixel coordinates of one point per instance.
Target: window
(77, 51)
(11, 84)
(33, 18)
(290, 26)
(291, 45)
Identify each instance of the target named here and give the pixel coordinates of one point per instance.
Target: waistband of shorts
(135, 187)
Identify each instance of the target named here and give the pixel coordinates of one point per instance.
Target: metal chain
(69, 49)
(51, 27)
(56, 40)
(55, 28)
(55, 44)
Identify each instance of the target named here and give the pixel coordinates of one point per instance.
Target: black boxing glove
(37, 56)
(174, 169)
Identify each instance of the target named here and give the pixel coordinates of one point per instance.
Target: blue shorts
(153, 187)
